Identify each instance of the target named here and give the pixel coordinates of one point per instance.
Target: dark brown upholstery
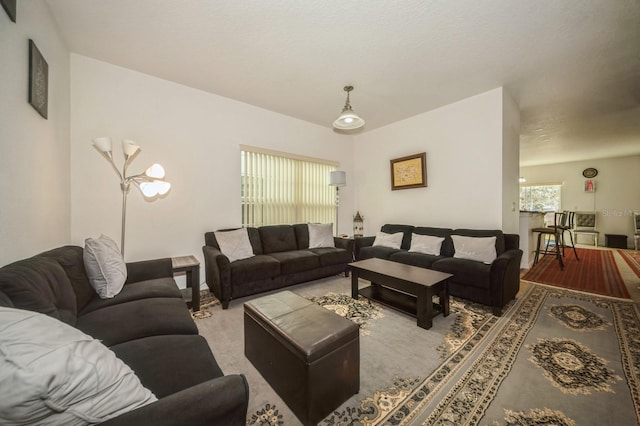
(147, 325)
(309, 355)
(283, 259)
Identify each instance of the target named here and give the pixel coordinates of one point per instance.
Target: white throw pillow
(388, 240)
(482, 249)
(105, 266)
(235, 244)
(427, 244)
(53, 374)
(321, 235)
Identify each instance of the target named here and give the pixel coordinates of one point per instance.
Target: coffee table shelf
(397, 300)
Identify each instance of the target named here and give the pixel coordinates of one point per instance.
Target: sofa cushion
(467, 272)
(235, 244)
(332, 256)
(426, 244)
(321, 235)
(256, 268)
(168, 364)
(481, 249)
(137, 319)
(160, 287)
(447, 244)
(71, 260)
(500, 244)
(416, 259)
(105, 266)
(277, 238)
(40, 284)
(54, 374)
(393, 241)
(405, 229)
(296, 261)
(377, 251)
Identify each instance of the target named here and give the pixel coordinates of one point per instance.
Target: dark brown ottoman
(309, 355)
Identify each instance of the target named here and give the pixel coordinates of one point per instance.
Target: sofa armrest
(220, 401)
(217, 272)
(362, 242)
(149, 270)
(505, 278)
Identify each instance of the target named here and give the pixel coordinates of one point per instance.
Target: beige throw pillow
(321, 235)
(105, 266)
(482, 249)
(235, 244)
(426, 244)
(388, 240)
(53, 374)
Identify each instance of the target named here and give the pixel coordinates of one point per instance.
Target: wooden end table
(191, 267)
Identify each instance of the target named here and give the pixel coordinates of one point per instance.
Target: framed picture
(589, 185)
(409, 172)
(38, 80)
(10, 7)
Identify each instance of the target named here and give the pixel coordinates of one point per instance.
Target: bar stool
(549, 231)
(566, 224)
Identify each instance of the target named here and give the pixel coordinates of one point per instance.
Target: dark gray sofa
(493, 285)
(147, 325)
(282, 257)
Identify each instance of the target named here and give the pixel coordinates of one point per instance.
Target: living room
(57, 189)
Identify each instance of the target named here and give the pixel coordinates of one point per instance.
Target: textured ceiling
(573, 66)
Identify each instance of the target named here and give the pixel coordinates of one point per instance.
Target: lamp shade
(129, 147)
(155, 171)
(337, 178)
(102, 144)
(348, 120)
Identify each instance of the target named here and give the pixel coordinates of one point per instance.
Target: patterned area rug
(595, 272)
(207, 301)
(632, 258)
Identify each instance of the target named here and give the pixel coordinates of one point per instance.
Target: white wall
(510, 164)
(34, 152)
(464, 146)
(196, 136)
(615, 198)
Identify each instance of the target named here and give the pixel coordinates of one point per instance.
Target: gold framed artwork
(409, 172)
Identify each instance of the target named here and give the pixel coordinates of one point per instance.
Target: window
(540, 198)
(280, 188)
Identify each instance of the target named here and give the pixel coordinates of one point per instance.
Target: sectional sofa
(60, 342)
(493, 282)
(277, 256)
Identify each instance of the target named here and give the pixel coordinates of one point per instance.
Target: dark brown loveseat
(282, 257)
(492, 284)
(147, 325)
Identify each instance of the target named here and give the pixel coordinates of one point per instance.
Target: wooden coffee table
(407, 288)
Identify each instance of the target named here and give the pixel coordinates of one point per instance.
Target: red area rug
(632, 258)
(596, 272)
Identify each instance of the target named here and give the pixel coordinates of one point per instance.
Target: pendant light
(348, 120)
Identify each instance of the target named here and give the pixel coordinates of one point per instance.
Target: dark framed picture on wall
(38, 80)
(9, 6)
(409, 172)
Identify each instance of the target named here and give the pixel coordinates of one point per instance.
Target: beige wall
(616, 196)
(464, 146)
(34, 152)
(196, 136)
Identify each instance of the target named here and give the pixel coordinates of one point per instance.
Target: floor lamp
(151, 183)
(337, 178)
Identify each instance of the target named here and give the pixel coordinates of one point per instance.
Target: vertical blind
(277, 188)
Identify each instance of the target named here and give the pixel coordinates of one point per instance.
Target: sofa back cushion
(500, 245)
(277, 238)
(405, 229)
(302, 235)
(71, 260)
(40, 284)
(447, 245)
(254, 238)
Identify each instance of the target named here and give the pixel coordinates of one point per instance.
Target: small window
(540, 198)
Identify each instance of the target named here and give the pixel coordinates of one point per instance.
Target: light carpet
(555, 357)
